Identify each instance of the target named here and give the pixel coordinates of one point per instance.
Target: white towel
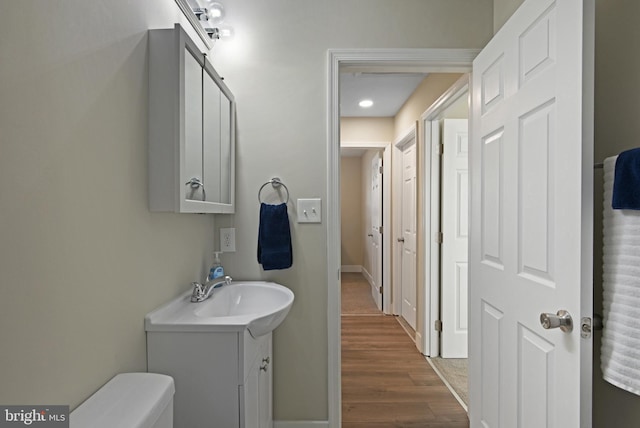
(620, 353)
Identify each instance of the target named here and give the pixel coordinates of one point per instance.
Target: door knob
(562, 319)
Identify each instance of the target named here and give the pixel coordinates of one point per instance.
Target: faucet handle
(198, 292)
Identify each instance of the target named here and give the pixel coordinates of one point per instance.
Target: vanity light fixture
(213, 32)
(201, 13)
(211, 15)
(219, 32)
(365, 103)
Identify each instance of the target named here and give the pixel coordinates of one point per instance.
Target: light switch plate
(310, 210)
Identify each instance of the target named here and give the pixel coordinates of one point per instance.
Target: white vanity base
(222, 379)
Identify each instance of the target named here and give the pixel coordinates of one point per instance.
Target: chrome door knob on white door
(562, 319)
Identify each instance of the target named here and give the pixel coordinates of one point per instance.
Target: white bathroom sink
(257, 306)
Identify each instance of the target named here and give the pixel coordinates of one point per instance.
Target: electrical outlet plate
(228, 240)
(310, 210)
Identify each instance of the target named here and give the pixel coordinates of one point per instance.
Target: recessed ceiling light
(365, 103)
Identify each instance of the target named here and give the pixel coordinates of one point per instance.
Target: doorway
(447, 189)
(445, 132)
(365, 210)
(452, 61)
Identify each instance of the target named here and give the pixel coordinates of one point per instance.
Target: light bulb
(226, 32)
(365, 103)
(215, 11)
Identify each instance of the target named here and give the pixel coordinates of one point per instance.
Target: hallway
(386, 382)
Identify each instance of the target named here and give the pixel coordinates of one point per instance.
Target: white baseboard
(300, 424)
(351, 268)
(367, 276)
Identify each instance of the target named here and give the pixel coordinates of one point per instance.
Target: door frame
(429, 342)
(442, 60)
(386, 214)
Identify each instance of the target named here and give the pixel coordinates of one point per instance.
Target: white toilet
(129, 400)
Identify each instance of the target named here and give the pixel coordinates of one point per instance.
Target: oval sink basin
(257, 306)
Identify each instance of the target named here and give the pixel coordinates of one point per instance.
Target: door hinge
(380, 289)
(380, 230)
(440, 149)
(381, 169)
(437, 326)
(439, 237)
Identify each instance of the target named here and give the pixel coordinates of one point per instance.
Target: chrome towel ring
(276, 183)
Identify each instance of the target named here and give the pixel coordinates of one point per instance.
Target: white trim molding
(429, 342)
(427, 60)
(367, 276)
(195, 23)
(351, 268)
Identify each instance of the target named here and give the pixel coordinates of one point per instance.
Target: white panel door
(409, 225)
(455, 229)
(531, 244)
(376, 229)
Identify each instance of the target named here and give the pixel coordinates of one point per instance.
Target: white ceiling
(387, 90)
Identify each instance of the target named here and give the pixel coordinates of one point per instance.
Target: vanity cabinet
(258, 384)
(191, 128)
(222, 379)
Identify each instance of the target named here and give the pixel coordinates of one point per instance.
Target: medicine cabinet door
(192, 128)
(211, 146)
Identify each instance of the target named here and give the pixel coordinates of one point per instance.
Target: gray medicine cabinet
(191, 129)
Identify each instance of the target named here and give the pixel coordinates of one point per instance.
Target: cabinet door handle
(196, 183)
(266, 360)
(264, 367)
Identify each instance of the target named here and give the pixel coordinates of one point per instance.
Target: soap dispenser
(216, 271)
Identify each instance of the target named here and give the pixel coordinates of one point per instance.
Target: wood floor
(387, 383)
(356, 296)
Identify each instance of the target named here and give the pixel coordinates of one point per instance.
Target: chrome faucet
(203, 292)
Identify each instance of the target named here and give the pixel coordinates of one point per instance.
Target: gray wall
(277, 68)
(617, 106)
(352, 212)
(82, 259)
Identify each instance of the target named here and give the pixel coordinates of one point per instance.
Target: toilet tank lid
(133, 400)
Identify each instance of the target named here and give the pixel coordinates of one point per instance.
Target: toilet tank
(129, 400)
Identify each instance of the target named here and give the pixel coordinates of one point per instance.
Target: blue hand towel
(274, 237)
(626, 183)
